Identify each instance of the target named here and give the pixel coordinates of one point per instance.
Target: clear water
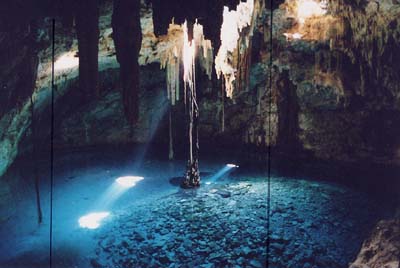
(314, 222)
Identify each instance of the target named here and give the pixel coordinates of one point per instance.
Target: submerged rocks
(224, 194)
(96, 264)
(201, 228)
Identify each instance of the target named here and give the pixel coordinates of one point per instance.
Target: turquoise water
(314, 221)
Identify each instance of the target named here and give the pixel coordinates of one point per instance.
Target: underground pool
(149, 221)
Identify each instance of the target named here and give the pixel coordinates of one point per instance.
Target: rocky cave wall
(345, 76)
(335, 91)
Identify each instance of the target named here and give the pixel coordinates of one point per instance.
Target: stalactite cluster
(233, 62)
(173, 56)
(234, 55)
(179, 51)
(371, 39)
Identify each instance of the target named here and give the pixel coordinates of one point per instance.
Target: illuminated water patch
(232, 165)
(128, 181)
(92, 220)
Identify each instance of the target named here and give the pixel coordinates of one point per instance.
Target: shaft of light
(116, 190)
(222, 172)
(92, 220)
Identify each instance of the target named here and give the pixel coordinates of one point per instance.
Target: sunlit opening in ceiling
(66, 61)
(310, 8)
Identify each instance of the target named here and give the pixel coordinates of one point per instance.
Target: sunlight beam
(92, 220)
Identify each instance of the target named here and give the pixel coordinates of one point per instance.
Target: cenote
(199, 134)
(316, 219)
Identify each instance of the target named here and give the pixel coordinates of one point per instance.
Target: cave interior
(200, 133)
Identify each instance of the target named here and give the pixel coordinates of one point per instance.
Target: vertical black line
(52, 142)
(269, 137)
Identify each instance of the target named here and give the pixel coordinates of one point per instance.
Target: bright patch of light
(66, 61)
(116, 190)
(297, 36)
(310, 8)
(208, 183)
(293, 36)
(232, 166)
(128, 181)
(92, 220)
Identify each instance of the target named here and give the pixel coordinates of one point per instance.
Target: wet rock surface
(382, 248)
(312, 225)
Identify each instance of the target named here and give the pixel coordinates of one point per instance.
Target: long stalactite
(192, 178)
(87, 21)
(185, 46)
(171, 140)
(127, 37)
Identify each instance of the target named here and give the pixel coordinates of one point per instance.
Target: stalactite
(204, 49)
(173, 57)
(223, 108)
(244, 63)
(173, 78)
(233, 57)
(171, 142)
(192, 178)
(288, 110)
(127, 37)
(87, 28)
(178, 49)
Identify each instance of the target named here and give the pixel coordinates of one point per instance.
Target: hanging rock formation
(127, 37)
(343, 71)
(207, 12)
(287, 107)
(87, 29)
